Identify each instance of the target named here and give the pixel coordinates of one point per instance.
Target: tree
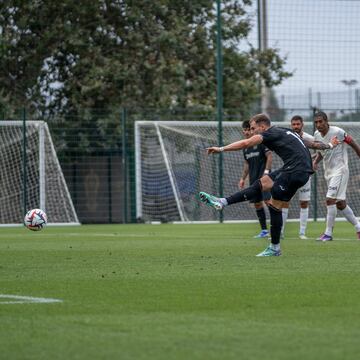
(60, 57)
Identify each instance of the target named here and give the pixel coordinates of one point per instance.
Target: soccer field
(178, 292)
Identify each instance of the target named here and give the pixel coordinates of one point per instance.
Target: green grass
(179, 292)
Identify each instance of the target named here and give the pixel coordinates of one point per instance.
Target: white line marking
(17, 299)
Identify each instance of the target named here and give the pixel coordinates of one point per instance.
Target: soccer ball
(35, 219)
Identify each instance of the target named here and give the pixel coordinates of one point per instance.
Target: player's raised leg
(250, 193)
(213, 201)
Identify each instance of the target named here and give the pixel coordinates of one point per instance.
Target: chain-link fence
(96, 152)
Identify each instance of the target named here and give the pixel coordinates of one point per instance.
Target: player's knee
(266, 183)
(258, 205)
(341, 205)
(330, 201)
(304, 204)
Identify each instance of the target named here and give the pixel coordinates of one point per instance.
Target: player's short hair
(297, 118)
(321, 114)
(261, 119)
(246, 124)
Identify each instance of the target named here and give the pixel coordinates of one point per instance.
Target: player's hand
(315, 166)
(213, 150)
(334, 141)
(241, 183)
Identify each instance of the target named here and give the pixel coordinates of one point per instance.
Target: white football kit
(335, 163)
(305, 191)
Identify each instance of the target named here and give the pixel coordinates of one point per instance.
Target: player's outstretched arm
(237, 145)
(318, 145)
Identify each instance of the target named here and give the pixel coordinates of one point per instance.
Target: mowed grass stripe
(179, 291)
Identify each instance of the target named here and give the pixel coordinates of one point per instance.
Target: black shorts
(264, 196)
(287, 183)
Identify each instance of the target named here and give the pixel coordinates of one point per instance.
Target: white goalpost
(46, 187)
(172, 167)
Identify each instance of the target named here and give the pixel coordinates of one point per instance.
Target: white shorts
(305, 191)
(337, 186)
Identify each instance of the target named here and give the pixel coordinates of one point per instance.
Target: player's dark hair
(246, 124)
(297, 118)
(321, 114)
(261, 119)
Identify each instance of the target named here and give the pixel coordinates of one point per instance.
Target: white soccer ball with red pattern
(35, 219)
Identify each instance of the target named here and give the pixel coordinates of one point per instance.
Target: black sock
(252, 192)
(275, 224)
(262, 217)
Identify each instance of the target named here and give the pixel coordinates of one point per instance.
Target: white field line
(318, 241)
(17, 299)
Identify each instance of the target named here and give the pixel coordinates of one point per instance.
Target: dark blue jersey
(290, 147)
(256, 158)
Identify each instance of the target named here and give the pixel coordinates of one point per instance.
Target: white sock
(330, 219)
(223, 201)
(350, 217)
(285, 213)
(304, 215)
(275, 247)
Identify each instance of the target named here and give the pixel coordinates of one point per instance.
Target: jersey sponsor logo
(251, 155)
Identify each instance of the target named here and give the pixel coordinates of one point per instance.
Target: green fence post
(109, 175)
(219, 101)
(24, 161)
(124, 165)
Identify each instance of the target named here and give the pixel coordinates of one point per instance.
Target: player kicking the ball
(282, 183)
(336, 173)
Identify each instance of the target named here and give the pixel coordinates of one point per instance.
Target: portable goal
(172, 167)
(45, 183)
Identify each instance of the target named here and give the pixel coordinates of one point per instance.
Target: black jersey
(290, 147)
(256, 158)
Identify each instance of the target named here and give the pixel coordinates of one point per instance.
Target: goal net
(172, 167)
(42, 180)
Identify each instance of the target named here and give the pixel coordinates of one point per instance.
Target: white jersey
(335, 161)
